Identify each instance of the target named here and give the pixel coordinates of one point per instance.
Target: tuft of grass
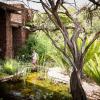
(10, 66)
(14, 67)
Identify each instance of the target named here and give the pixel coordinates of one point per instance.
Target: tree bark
(77, 90)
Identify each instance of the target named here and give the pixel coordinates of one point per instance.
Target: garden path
(58, 75)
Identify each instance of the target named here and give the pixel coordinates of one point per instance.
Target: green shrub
(43, 46)
(92, 68)
(95, 48)
(14, 67)
(92, 62)
(26, 51)
(10, 66)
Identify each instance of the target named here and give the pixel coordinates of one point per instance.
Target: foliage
(13, 67)
(95, 48)
(25, 53)
(43, 46)
(10, 66)
(92, 68)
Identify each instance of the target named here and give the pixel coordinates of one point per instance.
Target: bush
(92, 68)
(14, 67)
(95, 48)
(10, 66)
(92, 59)
(43, 46)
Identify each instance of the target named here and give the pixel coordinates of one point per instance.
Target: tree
(92, 9)
(77, 54)
(77, 61)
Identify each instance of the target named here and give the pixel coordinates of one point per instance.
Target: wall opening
(17, 39)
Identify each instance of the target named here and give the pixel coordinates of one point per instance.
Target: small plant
(95, 48)
(92, 69)
(10, 66)
(16, 67)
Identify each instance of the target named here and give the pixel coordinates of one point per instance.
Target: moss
(48, 87)
(39, 88)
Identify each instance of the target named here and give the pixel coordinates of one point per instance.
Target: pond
(34, 87)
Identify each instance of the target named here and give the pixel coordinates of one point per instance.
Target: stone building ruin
(12, 33)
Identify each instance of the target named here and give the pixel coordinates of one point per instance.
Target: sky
(80, 3)
(38, 6)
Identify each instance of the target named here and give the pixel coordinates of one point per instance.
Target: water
(11, 91)
(33, 89)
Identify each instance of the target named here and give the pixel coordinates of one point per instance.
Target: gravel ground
(92, 90)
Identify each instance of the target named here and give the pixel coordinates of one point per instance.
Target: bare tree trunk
(77, 90)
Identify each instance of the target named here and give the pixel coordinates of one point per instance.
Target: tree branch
(95, 2)
(91, 42)
(38, 28)
(64, 53)
(58, 3)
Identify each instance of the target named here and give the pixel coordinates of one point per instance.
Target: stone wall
(2, 33)
(24, 16)
(17, 39)
(12, 36)
(19, 33)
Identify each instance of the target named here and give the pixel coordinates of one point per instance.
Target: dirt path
(92, 90)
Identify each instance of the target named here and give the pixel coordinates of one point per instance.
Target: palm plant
(92, 68)
(95, 48)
